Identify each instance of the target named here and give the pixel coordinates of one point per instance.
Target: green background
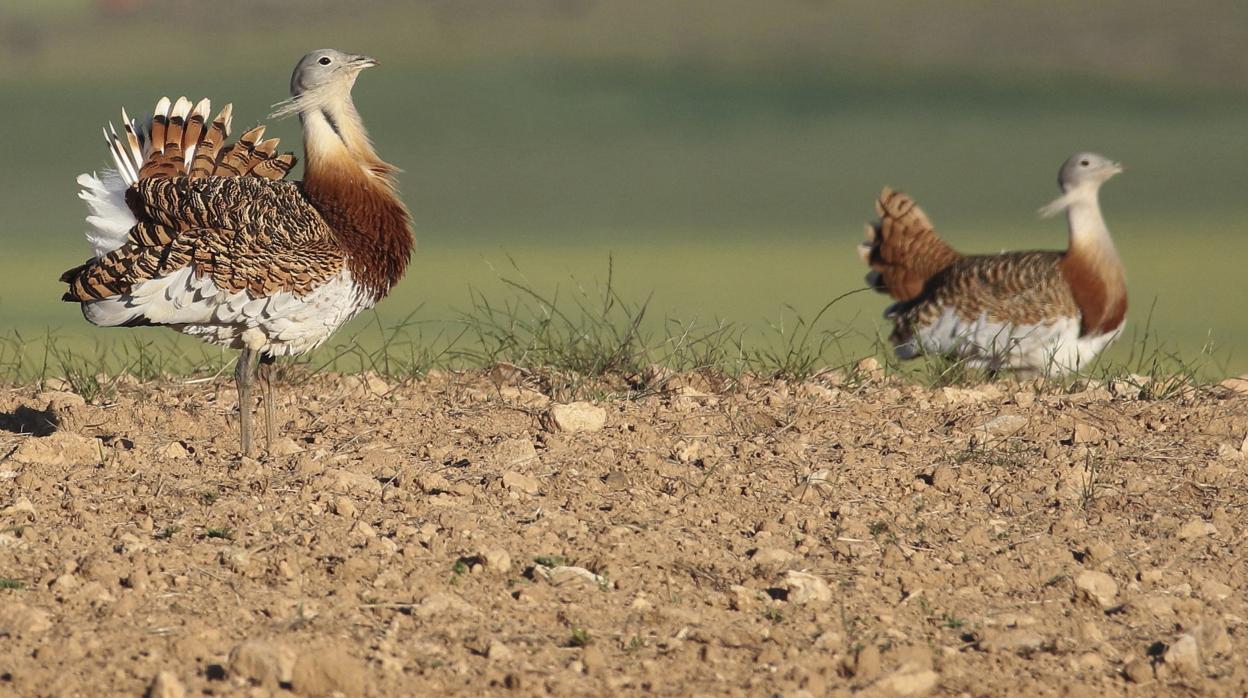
(724, 154)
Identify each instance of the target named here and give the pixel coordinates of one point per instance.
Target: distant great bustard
(1036, 312)
(209, 241)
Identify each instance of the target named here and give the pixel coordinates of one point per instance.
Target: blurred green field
(724, 190)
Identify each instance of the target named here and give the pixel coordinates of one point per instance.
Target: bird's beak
(362, 62)
(1117, 168)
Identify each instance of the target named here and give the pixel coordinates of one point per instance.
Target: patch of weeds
(551, 560)
(773, 614)
(7, 583)
(877, 528)
(166, 533)
(460, 568)
(580, 638)
(209, 497)
(224, 533)
(635, 643)
(952, 622)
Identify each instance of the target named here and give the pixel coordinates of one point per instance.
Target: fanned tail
(178, 140)
(902, 248)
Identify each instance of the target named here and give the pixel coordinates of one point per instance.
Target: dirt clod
(575, 417)
(1098, 587)
(328, 671)
(166, 685)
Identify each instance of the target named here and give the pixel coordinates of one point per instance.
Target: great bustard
(207, 239)
(1034, 312)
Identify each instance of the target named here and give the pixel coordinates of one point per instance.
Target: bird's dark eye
(1085, 163)
(325, 60)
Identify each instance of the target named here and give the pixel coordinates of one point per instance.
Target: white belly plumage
(282, 324)
(1052, 348)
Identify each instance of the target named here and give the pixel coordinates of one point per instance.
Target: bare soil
(765, 538)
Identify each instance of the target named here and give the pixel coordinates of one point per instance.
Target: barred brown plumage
(205, 237)
(1041, 312)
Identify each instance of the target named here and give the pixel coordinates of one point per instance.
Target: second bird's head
(322, 76)
(1086, 169)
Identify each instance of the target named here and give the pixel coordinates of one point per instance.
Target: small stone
(1024, 399)
(344, 507)
(513, 452)
(564, 575)
(442, 603)
(366, 384)
(263, 662)
(1184, 655)
(1004, 425)
(166, 685)
(1213, 590)
(805, 588)
(1212, 638)
(1089, 662)
(498, 651)
(1196, 528)
(18, 619)
(285, 446)
(944, 478)
(1238, 384)
(1138, 671)
(1096, 586)
(909, 683)
(328, 671)
(741, 598)
(593, 660)
(174, 451)
(766, 557)
(496, 560)
(61, 448)
(68, 410)
(575, 417)
(870, 368)
(1086, 434)
(521, 482)
(867, 662)
(1021, 641)
(21, 507)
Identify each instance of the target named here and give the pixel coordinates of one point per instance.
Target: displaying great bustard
(207, 239)
(1037, 312)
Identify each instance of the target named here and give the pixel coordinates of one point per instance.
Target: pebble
(1196, 528)
(496, 559)
(1099, 587)
(498, 651)
(909, 683)
(327, 671)
(1213, 590)
(61, 448)
(1184, 655)
(1015, 640)
(16, 618)
(440, 603)
(1086, 434)
(1212, 638)
(528, 484)
(575, 417)
(772, 556)
(166, 685)
(867, 662)
(513, 452)
(285, 446)
(806, 588)
(870, 368)
(174, 451)
(344, 507)
(1138, 671)
(593, 660)
(21, 507)
(1005, 425)
(263, 662)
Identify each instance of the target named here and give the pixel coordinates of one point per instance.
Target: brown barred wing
(1016, 288)
(245, 233)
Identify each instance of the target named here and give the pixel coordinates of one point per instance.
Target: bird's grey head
(322, 76)
(1083, 169)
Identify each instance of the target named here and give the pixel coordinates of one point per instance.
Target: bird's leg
(242, 379)
(270, 421)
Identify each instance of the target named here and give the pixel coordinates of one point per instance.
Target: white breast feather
(1052, 348)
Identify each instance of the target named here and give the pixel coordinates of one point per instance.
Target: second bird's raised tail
(902, 248)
